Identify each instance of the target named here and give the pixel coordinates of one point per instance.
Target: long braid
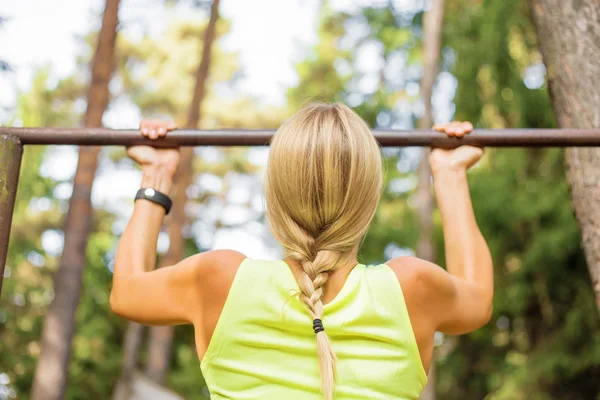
(316, 264)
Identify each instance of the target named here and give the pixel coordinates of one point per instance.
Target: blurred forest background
(544, 339)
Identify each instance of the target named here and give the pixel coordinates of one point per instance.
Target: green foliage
(319, 79)
(494, 43)
(27, 290)
(333, 70)
(544, 337)
(155, 73)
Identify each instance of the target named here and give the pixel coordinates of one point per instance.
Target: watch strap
(155, 196)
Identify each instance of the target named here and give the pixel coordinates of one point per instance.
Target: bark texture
(161, 337)
(50, 379)
(569, 35)
(432, 38)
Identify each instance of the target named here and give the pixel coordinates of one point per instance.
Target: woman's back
(263, 346)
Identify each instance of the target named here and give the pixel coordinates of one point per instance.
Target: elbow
(479, 318)
(489, 311)
(482, 311)
(116, 302)
(486, 305)
(115, 306)
(487, 315)
(119, 294)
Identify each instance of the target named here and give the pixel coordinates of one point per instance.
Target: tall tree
(159, 352)
(569, 33)
(50, 379)
(432, 38)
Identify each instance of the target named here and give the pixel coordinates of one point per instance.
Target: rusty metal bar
(11, 151)
(232, 137)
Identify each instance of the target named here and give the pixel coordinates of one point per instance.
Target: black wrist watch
(156, 197)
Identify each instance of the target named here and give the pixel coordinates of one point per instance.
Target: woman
(374, 325)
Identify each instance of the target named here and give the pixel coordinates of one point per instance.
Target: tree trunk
(133, 340)
(569, 34)
(159, 351)
(432, 37)
(50, 379)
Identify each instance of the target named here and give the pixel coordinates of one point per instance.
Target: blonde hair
(322, 188)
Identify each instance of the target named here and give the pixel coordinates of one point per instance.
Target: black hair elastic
(318, 325)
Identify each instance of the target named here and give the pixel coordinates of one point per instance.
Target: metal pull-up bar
(241, 137)
(13, 139)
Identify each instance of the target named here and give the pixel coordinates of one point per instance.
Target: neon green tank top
(264, 347)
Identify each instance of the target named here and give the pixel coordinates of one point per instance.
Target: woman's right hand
(459, 159)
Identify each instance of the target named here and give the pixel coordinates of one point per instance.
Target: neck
(342, 270)
(336, 280)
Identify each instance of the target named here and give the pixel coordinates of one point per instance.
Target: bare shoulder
(411, 269)
(217, 267)
(220, 258)
(216, 272)
(420, 277)
(437, 300)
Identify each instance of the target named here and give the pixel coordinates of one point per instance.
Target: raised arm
(458, 300)
(174, 294)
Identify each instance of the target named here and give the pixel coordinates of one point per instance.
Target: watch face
(149, 192)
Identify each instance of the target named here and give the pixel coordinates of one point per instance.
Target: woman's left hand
(150, 157)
